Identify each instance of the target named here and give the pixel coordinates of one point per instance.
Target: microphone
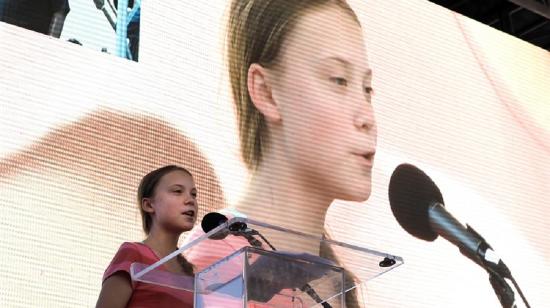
(418, 207)
(212, 220)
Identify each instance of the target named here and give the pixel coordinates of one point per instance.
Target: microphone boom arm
(472, 245)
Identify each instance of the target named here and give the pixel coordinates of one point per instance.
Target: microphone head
(211, 220)
(411, 192)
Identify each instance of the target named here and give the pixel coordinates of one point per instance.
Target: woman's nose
(190, 200)
(364, 120)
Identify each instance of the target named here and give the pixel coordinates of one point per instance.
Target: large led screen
(465, 103)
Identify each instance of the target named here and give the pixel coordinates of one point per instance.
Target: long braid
(186, 266)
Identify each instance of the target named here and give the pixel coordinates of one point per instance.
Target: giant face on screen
(270, 105)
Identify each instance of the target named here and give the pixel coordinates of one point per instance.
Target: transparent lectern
(282, 268)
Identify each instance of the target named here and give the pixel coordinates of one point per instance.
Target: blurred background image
(89, 23)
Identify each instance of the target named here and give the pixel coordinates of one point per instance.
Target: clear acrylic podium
(293, 276)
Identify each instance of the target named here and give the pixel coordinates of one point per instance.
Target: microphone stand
(497, 274)
(249, 235)
(504, 293)
(100, 5)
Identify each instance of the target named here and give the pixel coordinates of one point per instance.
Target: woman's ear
(261, 93)
(146, 205)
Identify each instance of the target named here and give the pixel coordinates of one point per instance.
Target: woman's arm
(115, 292)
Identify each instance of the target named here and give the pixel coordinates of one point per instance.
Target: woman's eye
(369, 90)
(178, 191)
(339, 81)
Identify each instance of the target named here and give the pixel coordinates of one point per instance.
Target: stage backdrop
(466, 103)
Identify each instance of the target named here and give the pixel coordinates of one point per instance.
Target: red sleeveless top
(146, 295)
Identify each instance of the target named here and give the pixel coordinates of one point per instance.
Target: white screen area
(79, 128)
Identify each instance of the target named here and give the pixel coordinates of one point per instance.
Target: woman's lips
(366, 159)
(190, 213)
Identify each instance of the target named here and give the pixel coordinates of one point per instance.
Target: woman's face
(322, 85)
(175, 202)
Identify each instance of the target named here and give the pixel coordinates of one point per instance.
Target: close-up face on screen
(292, 113)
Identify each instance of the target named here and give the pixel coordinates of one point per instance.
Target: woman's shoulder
(132, 246)
(133, 249)
(127, 254)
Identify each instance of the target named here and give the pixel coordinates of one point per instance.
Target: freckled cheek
(313, 112)
(318, 128)
(335, 125)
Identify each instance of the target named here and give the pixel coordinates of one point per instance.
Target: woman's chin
(358, 194)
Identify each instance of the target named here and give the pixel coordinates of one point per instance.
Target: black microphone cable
(240, 228)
